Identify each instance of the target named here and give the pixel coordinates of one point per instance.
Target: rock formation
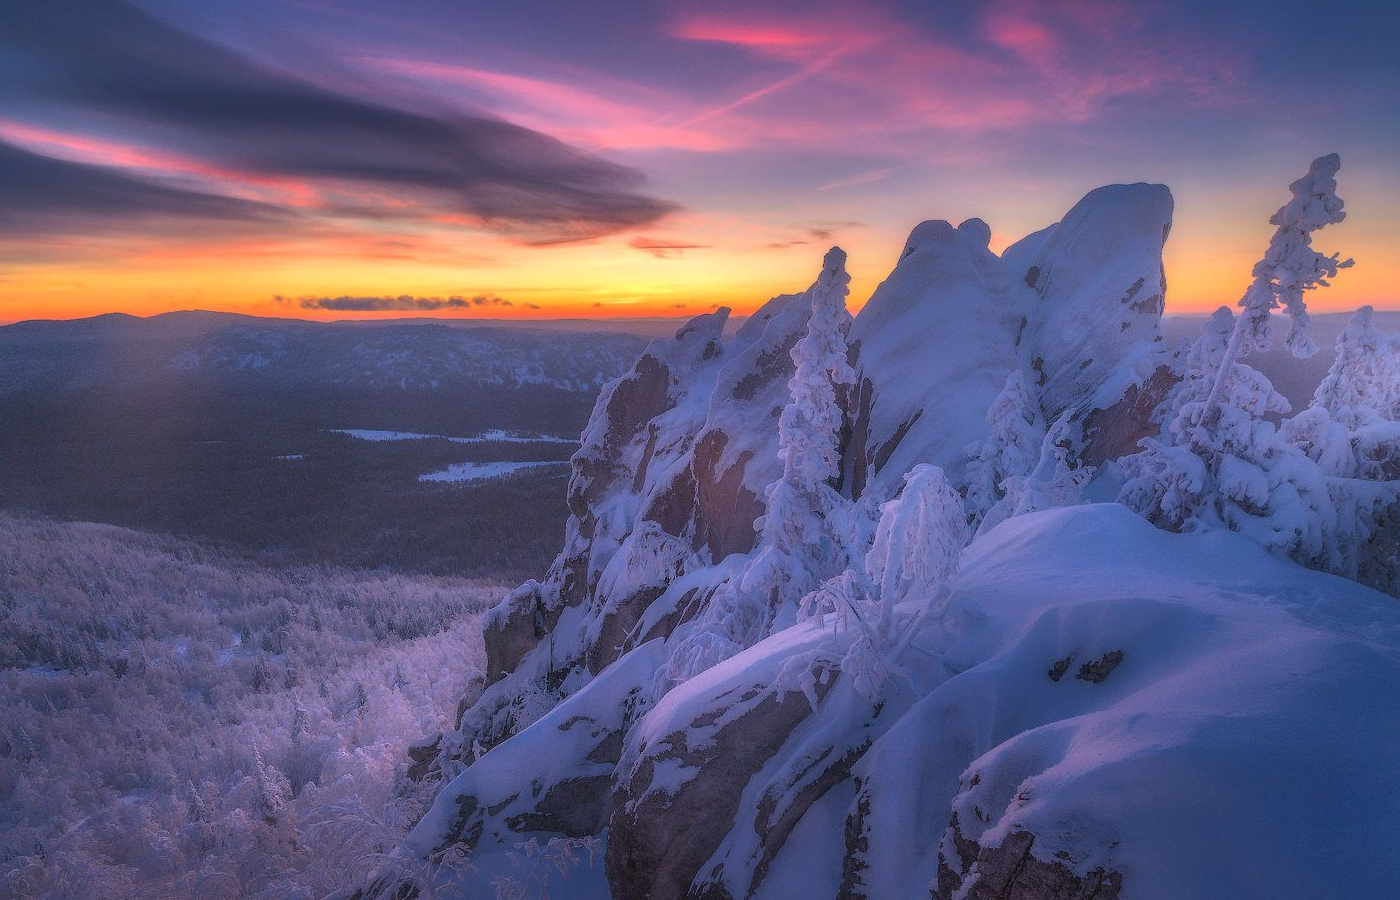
(976, 771)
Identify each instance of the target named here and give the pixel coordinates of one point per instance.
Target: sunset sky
(330, 159)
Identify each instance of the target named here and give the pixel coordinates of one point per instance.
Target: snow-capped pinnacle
(934, 230)
(834, 265)
(976, 229)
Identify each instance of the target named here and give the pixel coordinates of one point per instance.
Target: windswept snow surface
(472, 471)
(1246, 745)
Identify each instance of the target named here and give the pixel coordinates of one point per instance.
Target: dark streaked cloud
(40, 194)
(663, 249)
(403, 302)
(191, 95)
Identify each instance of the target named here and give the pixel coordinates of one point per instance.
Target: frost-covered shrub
(918, 541)
(1012, 446)
(1056, 480)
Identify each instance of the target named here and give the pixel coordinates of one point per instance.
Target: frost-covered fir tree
(1199, 361)
(1219, 462)
(805, 530)
(918, 542)
(1362, 388)
(800, 506)
(1222, 464)
(1015, 432)
(1352, 404)
(1350, 431)
(1324, 441)
(1290, 267)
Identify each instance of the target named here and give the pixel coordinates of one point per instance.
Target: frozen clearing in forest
(471, 471)
(369, 434)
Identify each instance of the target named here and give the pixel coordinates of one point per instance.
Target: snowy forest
(983, 592)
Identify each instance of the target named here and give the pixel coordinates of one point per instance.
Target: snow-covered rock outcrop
(671, 475)
(1059, 719)
(1099, 705)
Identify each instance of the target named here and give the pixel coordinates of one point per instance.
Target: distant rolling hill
(407, 375)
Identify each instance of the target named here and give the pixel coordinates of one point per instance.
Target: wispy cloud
(402, 302)
(40, 194)
(604, 114)
(860, 73)
(662, 248)
(244, 121)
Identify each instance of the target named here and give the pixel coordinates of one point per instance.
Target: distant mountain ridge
(62, 355)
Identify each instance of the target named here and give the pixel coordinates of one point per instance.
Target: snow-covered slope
(1099, 704)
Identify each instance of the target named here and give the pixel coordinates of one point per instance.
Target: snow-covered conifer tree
(1289, 267)
(1200, 359)
(800, 502)
(1351, 433)
(1355, 396)
(918, 543)
(1364, 381)
(1219, 462)
(1324, 440)
(804, 529)
(1014, 436)
(1229, 468)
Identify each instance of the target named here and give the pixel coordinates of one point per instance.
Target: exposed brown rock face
(658, 840)
(423, 755)
(1115, 431)
(513, 629)
(1012, 871)
(725, 509)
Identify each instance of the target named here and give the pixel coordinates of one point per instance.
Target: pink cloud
(88, 149)
(664, 248)
(583, 115)
(861, 75)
